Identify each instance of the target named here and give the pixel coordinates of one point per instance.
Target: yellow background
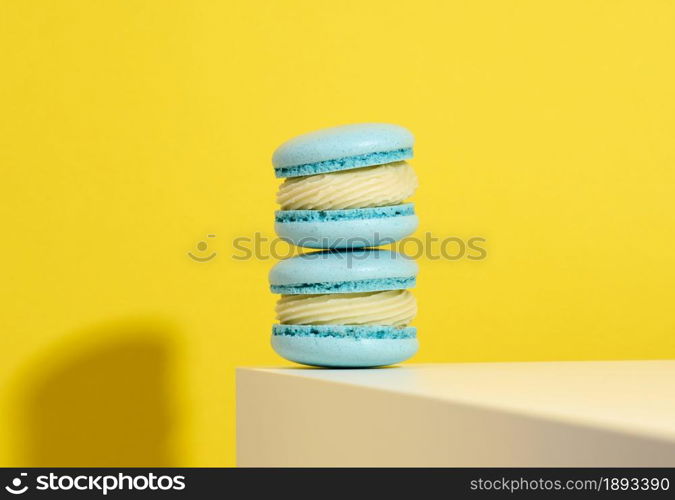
(130, 130)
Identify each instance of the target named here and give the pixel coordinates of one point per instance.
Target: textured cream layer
(377, 186)
(393, 307)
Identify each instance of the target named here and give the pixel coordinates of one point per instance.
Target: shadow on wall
(106, 397)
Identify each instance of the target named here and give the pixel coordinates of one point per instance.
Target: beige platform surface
(607, 413)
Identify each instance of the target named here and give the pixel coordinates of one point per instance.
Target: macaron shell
(344, 214)
(372, 285)
(344, 331)
(344, 352)
(342, 266)
(347, 234)
(341, 142)
(344, 163)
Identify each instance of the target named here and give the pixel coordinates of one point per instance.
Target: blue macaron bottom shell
(347, 233)
(337, 346)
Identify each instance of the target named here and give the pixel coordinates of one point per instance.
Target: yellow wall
(130, 130)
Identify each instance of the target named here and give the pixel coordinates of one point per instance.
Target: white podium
(610, 413)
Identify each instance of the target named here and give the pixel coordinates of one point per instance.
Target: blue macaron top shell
(342, 148)
(335, 271)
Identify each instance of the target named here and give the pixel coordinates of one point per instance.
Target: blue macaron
(336, 149)
(344, 272)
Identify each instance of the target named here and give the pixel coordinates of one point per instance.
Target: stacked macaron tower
(347, 305)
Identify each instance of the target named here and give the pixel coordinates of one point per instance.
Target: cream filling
(377, 186)
(392, 307)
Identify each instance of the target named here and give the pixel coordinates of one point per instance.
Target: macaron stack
(344, 192)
